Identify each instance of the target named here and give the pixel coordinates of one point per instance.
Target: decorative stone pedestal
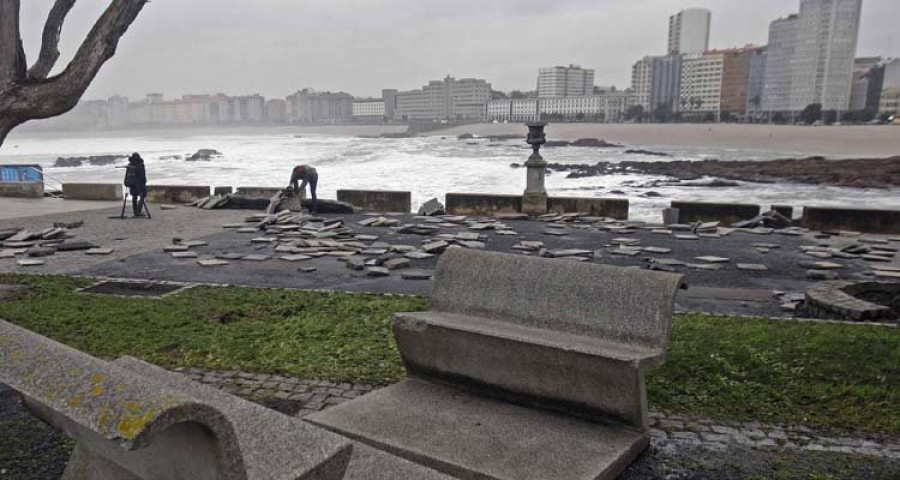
(534, 200)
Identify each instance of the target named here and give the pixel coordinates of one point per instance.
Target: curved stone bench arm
(132, 420)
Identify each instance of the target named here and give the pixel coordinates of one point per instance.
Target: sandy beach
(845, 142)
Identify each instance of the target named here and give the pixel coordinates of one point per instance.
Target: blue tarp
(21, 173)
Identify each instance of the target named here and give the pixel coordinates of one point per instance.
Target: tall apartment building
(609, 107)
(782, 49)
(642, 82)
(827, 35)
(117, 111)
(448, 99)
(736, 74)
(666, 83)
(689, 31)
(568, 81)
(276, 111)
(369, 110)
(757, 82)
(884, 87)
(701, 83)
(859, 89)
(309, 107)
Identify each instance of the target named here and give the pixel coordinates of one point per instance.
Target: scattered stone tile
(374, 251)
(19, 244)
(377, 272)
(264, 240)
(256, 258)
(752, 267)
(74, 245)
(555, 232)
(414, 274)
(307, 269)
(195, 243)
(507, 232)
(175, 248)
(711, 259)
(397, 263)
(886, 274)
(212, 263)
(466, 236)
(339, 254)
(628, 242)
(822, 255)
(662, 231)
(657, 250)
(687, 237)
(821, 265)
(295, 258)
(709, 235)
(435, 247)
(7, 254)
(229, 256)
(473, 244)
(182, 255)
(99, 251)
(626, 251)
(569, 253)
(529, 246)
(770, 246)
(871, 240)
(886, 268)
(671, 262)
(709, 267)
(418, 255)
(30, 263)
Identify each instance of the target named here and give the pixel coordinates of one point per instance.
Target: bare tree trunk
(27, 94)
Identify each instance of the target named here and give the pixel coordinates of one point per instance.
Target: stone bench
(525, 368)
(132, 420)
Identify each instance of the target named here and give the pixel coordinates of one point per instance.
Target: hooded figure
(136, 181)
(307, 175)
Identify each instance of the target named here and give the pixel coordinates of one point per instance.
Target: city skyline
(404, 43)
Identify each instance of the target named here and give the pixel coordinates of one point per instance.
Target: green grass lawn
(830, 376)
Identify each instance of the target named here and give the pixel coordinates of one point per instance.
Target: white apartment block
(448, 99)
(368, 108)
(779, 64)
(642, 82)
(568, 81)
(689, 31)
(827, 36)
(701, 83)
(609, 107)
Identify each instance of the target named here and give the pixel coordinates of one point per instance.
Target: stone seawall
(92, 191)
(852, 219)
(176, 193)
(727, 213)
(378, 200)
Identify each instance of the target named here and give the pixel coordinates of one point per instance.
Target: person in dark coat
(307, 175)
(136, 181)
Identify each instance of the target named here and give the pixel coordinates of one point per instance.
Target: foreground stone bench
(525, 368)
(132, 420)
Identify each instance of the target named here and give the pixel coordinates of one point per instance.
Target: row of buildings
(809, 59)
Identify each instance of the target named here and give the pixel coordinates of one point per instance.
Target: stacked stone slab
(525, 368)
(134, 421)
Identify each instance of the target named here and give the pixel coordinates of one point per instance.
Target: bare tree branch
(30, 98)
(10, 42)
(50, 41)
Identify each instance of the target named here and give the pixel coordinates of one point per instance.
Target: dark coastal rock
(204, 154)
(98, 160)
(647, 152)
(465, 136)
(594, 143)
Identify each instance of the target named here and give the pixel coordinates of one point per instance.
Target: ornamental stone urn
(534, 201)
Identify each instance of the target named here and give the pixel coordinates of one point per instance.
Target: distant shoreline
(843, 142)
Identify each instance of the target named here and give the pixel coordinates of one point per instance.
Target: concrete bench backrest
(627, 306)
(129, 421)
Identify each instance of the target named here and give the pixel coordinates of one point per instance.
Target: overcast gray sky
(275, 47)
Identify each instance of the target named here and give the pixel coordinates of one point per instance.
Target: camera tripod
(142, 206)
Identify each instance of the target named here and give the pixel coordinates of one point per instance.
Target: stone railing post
(534, 201)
